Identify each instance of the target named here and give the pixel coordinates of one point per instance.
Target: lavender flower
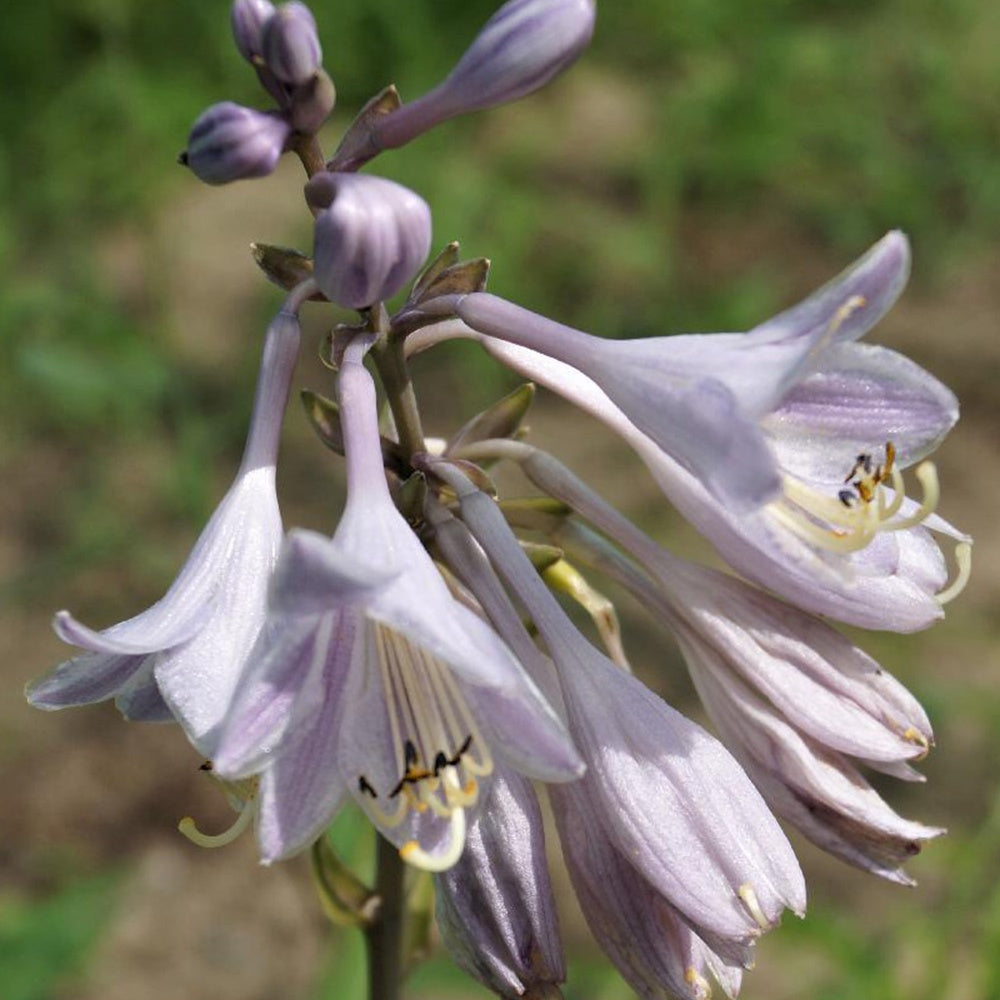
(820, 700)
(670, 797)
(857, 551)
(182, 657)
(229, 142)
(371, 236)
(495, 908)
(370, 679)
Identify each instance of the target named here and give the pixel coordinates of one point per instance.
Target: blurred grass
(612, 202)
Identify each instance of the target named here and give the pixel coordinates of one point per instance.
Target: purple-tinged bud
(310, 104)
(290, 45)
(521, 48)
(248, 18)
(372, 236)
(229, 143)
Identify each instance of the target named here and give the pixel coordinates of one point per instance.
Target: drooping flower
(371, 236)
(796, 702)
(371, 680)
(182, 657)
(672, 799)
(494, 907)
(858, 550)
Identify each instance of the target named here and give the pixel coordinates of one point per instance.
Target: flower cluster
(417, 661)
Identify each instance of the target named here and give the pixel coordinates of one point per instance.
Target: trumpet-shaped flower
(793, 699)
(839, 537)
(673, 801)
(190, 646)
(371, 680)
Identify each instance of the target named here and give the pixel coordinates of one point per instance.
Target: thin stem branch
(307, 148)
(392, 368)
(384, 935)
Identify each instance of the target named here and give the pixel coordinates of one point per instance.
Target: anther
(749, 899)
(700, 987)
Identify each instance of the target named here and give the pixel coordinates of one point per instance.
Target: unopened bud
(310, 105)
(371, 236)
(523, 46)
(229, 143)
(248, 18)
(290, 45)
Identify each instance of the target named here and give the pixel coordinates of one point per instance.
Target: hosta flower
(797, 703)
(671, 798)
(838, 422)
(494, 907)
(371, 680)
(189, 647)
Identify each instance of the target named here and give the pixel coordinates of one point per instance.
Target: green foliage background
(674, 181)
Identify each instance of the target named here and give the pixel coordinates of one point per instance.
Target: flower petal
(862, 397)
(84, 680)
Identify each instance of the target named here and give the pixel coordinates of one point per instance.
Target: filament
(189, 828)
(963, 557)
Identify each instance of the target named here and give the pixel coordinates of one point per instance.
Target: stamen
(412, 853)
(749, 899)
(849, 522)
(913, 735)
(927, 475)
(189, 828)
(963, 556)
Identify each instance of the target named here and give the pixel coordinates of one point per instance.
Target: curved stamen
(189, 828)
(963, 556)
(749, 899)
(927, 475)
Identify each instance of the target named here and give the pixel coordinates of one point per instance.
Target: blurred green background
(700, 168)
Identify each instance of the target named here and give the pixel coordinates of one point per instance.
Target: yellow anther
(701, 989)
(749, 899)
(914, 736)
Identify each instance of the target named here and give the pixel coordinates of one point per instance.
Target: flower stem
(307, 148)
(384, 934)
(392, 368)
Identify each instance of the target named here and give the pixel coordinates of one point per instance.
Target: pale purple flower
(792, 698)
(671, 798)
(819, 543)
(229, 142)
(521, 48)
(494, 907)
(371, 236)
(639, 929)
(182, 657)
(371, 680)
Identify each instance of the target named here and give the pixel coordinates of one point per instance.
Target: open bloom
(371, 680)
(182, 657)
(830, 424)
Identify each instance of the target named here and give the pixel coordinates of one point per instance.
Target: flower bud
(290, 45)
(229, 143)
(371, 236)
(248, 18)
(310, 105)
(523, 46)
